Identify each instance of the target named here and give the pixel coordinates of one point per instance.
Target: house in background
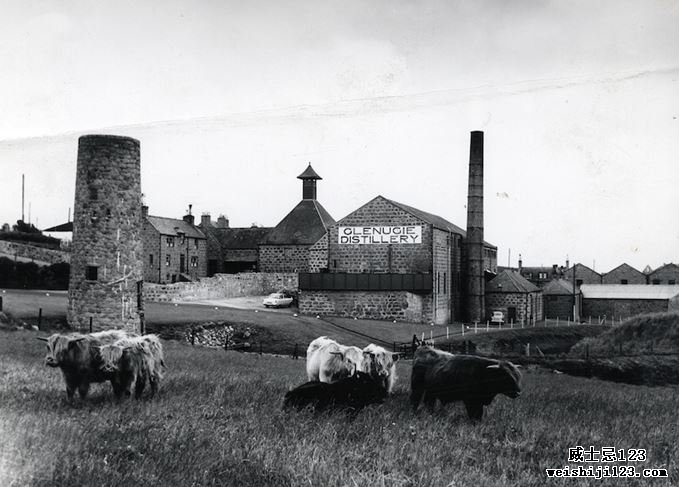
(231, 250)
(583, 275)
(174, 250)
(667, 274)
(519, 299)
(624, 274)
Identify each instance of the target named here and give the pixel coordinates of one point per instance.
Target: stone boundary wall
(221, 286)
(42, 254)
(376, 305)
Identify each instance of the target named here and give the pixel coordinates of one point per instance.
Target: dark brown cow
(467, 378)
(79, 360)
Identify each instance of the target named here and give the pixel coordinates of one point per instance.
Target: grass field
(218, 421)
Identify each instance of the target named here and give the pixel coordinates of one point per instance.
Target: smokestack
(22, 198)
(475, 281)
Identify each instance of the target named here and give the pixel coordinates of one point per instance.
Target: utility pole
(22, 197)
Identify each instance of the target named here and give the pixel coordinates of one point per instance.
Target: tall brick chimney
(189, 218)
(475, 278)
(205, 220)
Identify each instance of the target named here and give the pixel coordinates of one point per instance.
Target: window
(656, 281)
(444, 282)
(150, 259)
(542, 275)
(91, 272)
(194, 261)
(168, 259)
(623, 281)
(578, 282)
(671, 281)
(182, 238)
(195, 243)
(170, 241)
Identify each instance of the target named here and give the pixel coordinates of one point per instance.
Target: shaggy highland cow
(328, 361)
(467, 378)
(353, 393)
(132, 361)
(79, 359)
(381, 365)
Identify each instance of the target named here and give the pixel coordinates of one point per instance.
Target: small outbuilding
(558, 300)
(519, 299)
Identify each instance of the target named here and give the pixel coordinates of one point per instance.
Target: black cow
(473, 380)
(352, 393)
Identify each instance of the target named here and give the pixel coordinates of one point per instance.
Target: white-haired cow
(467, 378)
(328, 361)
(78, 357)
(133, 361)
(381, 365)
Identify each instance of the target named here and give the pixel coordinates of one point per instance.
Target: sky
(578, 100)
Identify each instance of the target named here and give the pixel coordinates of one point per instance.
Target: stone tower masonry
(106, 263)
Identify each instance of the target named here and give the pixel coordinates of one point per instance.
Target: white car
(498, 317)
(277, 300)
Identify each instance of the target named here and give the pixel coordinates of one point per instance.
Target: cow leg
(139, 385)
(83, 389)
(117, 388)
(474, 409)
(153, 381)
(430, 400)
(70, 391)
(416, 397)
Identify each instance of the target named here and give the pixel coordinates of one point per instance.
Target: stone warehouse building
(615, 301)
(174, 250)
(287, 248)
(667, 274)
(232, 250)
(517, 298)
(583, 275)
(387, 260)
(624, 274)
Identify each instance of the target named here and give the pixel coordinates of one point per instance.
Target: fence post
(90, 324)
(527, 349)
(590, 319)
(487, 326)
(39, 318)
(448, 332)
(260, 348)
(557, 321)
(0, 303)
(476, 327)
(462, 331)
(466, 347)
(295, 354)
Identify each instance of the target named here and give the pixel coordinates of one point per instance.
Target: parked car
(277, 300)
(497, 317)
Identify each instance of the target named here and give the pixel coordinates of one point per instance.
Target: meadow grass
(218, 421)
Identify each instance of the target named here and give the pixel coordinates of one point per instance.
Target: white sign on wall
(405, 234)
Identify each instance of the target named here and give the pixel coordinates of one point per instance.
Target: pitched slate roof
(674, 267)
(64, 227)
(629, 291)
(240, 238)
(570, 269)
(304, 225)
(510, 282)
(626, 267)
(558, 287)
(435, 220)
(173, 226)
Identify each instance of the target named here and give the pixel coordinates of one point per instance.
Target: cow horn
(42, 339)
(494, 366)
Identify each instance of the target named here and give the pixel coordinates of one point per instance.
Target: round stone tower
(105, 286)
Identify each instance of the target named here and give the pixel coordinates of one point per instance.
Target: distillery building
(388, 260)
(287, 247)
